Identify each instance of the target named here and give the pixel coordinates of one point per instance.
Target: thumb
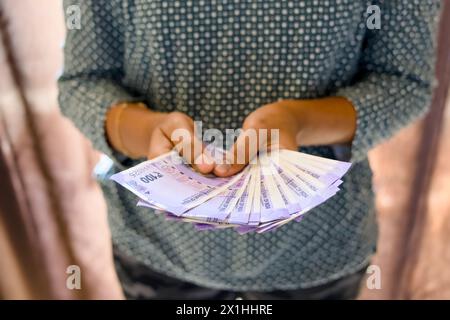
(243, 151)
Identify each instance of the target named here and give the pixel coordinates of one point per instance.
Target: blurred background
(53, 215)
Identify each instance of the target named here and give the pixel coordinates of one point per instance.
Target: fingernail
(223, 168)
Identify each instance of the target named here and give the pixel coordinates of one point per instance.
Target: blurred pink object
(64, 211)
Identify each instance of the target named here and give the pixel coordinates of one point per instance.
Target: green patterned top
(217, 60)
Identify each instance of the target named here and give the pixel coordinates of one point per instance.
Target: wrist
(129, 127)
(323, 121)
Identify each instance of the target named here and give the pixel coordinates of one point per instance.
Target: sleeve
(396, 77)
(93, 69)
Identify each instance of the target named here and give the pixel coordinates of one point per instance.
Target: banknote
(280, 187)
(171, 184)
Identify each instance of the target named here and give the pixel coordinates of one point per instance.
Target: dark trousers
(140, 282)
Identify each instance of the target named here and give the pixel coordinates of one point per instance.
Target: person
(315, 70)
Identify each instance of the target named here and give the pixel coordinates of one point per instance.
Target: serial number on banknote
(151, 177)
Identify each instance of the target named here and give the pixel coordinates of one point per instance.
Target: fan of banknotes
(279, 187)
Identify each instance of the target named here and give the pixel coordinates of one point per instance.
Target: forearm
(323, 121)
(320, 122)
(129, 128)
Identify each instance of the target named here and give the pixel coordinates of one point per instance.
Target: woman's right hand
(176, 131)
(137, 132)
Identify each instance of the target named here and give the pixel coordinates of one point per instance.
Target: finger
(159, 144)
(243, 151)
(190, 147)
(280, 140)
(204, 163)
(197, 156)
(285, 144)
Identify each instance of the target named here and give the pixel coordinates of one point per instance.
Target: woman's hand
(274, 126)
(298, 122)
(138, 132)
(175, 131)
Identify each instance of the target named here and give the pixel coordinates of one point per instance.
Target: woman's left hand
(322, 121)
(274, 126)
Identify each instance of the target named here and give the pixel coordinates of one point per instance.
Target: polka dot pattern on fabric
(217, 61)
